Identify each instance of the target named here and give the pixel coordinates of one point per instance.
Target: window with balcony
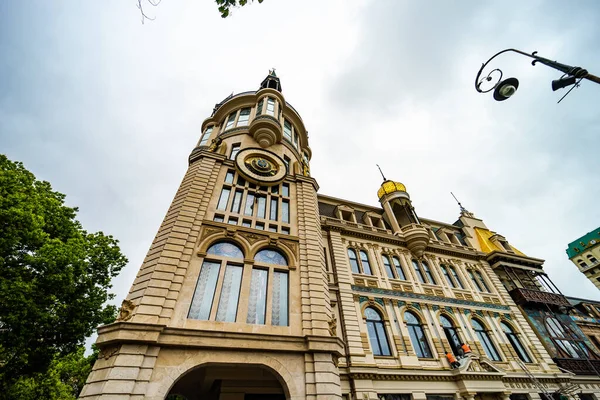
(206, 135)
(270, 107)
(377, 334)
(417, 335)
(259, 107)
(485, 340)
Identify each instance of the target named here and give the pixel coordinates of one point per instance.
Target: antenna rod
(462, 209)
(383, 176)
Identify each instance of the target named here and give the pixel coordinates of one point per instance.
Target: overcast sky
(108, 109)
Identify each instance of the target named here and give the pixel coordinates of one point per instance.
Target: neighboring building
(256, 287)
(585, 253)
(586, 314)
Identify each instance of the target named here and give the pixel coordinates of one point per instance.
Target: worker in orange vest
(465, 348)
(452, 360)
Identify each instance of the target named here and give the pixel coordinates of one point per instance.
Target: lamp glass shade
(506, 89)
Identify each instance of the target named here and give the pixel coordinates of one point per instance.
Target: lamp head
(506, 89)
(563, 82)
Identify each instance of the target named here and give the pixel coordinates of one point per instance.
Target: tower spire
(383, 176)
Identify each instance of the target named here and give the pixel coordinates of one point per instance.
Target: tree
(224, 6)
(54, 276)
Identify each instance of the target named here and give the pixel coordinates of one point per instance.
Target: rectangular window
(287, 130)
(224, 199)
(240, 181)
(232, 221)
(237, 201)
(399, 269)
(244, 117)
(273, 209)
(230, 121)
(230, 293)
(206, 135)
(260, 225)
(229, 177)
(270, 107)
(477, 284)
(285, 190)
(286, 161)
(205, 291)
(275, 189)
(234, 150)
(249, 209)
(285, 211)
(447, 275)
(388, 267)
(247, 223)
(417, 268)
(430, 277)
(295, 139)
(456, 278)
(280, 299)
(257, 300)
(262, 206)
(461, 238)
(259, 107)
(218, 218)
(480, 277)
(272, 228)
(286, 231)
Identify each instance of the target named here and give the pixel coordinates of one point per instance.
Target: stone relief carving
(108, 352)
(333, 326)
(126, 310)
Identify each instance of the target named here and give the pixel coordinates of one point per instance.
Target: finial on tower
(272, 72)
(271, 81)
(463, 211)
(383, 176)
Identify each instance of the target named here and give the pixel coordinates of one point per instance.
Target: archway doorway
(228, 382)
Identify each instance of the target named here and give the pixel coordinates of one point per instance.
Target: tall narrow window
(295, 138)
(205, 136)
(427, 270)
(399, 270)
(285, 190)
(262, 206)
(270, 107)
(280, 299)
(377, 335)
(234, 150)
(285, 211)
(249, 208)
(202, 302)
(417, 268)
(257, 301)
(485, 340)
(273, 208)
(417, 335)
(456, 277)
(223, 199)
(451, 334)
(260, 106)
(480, 277)
(364, 260)
(244, 117)
(475, 281)
(230, 293)
(515, 342)
(563, 339)
(229, 177)
(237, 201)
(230, 121)
(353, 261)
(286, 162)
(447, 276)
(287, 130)
(388, 266)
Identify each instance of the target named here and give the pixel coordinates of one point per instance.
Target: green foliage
(63, 380)
(54, 278)
(226, 5)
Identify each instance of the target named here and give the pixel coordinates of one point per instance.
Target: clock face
(260, 166)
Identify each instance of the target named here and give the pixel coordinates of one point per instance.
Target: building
(257, 287)
(585, 253)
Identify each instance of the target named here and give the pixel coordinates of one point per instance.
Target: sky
(108, 109)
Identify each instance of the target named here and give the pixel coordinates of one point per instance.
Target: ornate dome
(388, 187)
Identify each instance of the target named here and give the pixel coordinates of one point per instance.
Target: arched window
(269, 256)
(566, 342)
(485, 340)
(591, 258)
(377, 335)
(582, 263)
(417, 335)
(515, 342)
(359, 267)
(219, 255)
(399, 270)
(279, 297)
(451, 333)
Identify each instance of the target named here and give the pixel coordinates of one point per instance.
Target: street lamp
(504, 89)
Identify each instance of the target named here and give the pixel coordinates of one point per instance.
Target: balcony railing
(523, 296)
(579, 366)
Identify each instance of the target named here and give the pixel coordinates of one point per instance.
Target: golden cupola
(401, 215)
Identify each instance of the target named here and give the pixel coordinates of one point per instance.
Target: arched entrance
(229, 382)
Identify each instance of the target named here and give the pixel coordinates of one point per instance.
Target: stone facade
(257, 287)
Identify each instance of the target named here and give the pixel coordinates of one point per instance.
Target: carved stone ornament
(126, 310)
(251, 237)
(108, 352)
(333, 326)
(214, 144)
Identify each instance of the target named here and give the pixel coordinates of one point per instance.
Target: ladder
(541, 387)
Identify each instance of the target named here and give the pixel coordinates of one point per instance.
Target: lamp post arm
(566, 69)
